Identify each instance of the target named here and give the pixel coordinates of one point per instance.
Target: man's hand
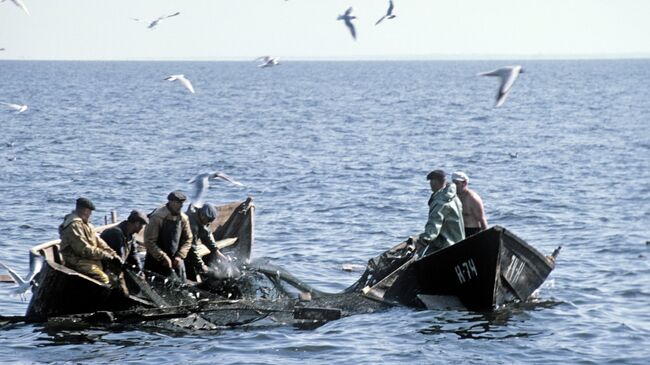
(222, 256)
(166, 261)
(177, 262)
(116, 260)
(204, 268)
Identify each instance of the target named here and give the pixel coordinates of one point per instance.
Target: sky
(308, 29)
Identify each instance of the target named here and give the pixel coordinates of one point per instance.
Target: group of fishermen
(171, 236)
(171, 240)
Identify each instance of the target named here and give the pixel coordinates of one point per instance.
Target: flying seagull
(202, 182)
(182, 80)
(20, 4)
(268, 61)
(347, 18)
(155, 22)
(389, 13)
(508, 76)
(35, 265)
(17, 107)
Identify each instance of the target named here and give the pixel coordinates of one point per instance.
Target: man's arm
(479, 212)
(132, 260)
(186, 237)
(104, 246)
(151, 232)
(114, 241)
(434, 223)
(207, 238)
(82, 247)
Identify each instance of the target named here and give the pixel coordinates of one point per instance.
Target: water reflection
(494, 325)
(65, 334)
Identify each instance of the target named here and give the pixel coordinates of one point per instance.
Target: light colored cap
(459, 176)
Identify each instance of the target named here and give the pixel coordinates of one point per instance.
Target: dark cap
(209, 211)
(85, 203)
(138, 216)
(437, 174)
(176, 196)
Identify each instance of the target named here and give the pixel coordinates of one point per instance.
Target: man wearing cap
(168, 237)
(81, 249)
(445, 224)
(473, 212)
(200, 219)
(121, 238)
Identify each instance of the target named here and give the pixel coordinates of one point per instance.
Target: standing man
(81, 249)
(120, 238)
(168, 237)
(445, 225)
(473, 212)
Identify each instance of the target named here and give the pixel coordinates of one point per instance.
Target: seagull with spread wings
(24, 284)
(17, 107)
(347, 19)
(181, 78)
(202, 183)
(155, 22)
(268, 61)
(389, 13)
(508, 76)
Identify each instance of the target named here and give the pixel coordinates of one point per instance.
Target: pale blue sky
(307, 29)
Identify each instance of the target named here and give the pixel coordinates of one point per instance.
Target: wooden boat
(482, 272)
(61, 291)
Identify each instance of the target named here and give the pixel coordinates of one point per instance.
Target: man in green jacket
(445, 225)
(81, 249)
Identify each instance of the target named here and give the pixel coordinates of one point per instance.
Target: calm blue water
(335, 154)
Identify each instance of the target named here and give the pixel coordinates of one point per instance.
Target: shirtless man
(473, 213)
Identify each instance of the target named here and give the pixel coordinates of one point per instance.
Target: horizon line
(552, 57)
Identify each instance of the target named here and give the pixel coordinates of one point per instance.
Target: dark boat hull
(483, 272)
(61, 291)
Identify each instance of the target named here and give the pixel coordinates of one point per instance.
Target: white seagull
(268, 61)
(389, 13)
(182, 80)
(347, 18)
(202, 183)
(155, 22)
(20, 4)
(35, 265)
(17, 107)
(508, 76)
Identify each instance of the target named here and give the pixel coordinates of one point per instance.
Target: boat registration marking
(466, 271)
(515, 269)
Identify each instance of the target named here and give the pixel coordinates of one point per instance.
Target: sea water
(335, 155)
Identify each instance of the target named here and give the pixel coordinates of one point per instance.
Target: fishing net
(262, 291)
